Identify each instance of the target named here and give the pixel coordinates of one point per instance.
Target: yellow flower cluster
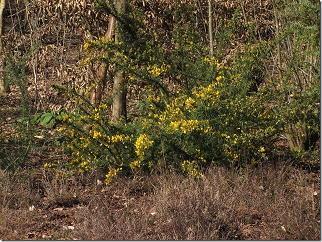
(48, 165)
(142, 143)
(84, 166)
(219, 78)
(156, 71)
(119, 138)
(96, 115)
(190, 102)
(261, 149)
(211, 61)
(191, 168)
(231, 153)
(97, 134)
(262, 152)
(135, 164)
(187, 126)
(208, 93)
(112, 173)
(172, 112)
(86, 45)
(103, 106)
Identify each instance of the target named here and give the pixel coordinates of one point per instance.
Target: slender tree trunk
(119, 97)
(119, 87)
(2, 82)
(279, 61)
(102, 70)
(3, 88)
(211, 43)
(97, 92)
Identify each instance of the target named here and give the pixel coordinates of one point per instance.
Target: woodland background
(223, 132)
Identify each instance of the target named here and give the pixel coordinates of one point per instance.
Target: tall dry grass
(269, 204)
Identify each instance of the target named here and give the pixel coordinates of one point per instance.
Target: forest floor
(272, 202)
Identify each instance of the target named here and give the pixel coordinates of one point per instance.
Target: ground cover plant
(188, 120)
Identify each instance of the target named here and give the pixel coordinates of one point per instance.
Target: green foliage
(94, 142)
(217, 123)
(46, 119)
(15, 148)
(298, 84)
(197, 111)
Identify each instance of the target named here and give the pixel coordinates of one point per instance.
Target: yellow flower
(189, 102)
(96, 116)
(97, 134)
(142, 143)
(103, 106)
(219, 78)
(261, 149)
(103, 40)
(61, 129)
(210, 60)
(156, 71)
(86, 61)
(119, 138)
(112, 173)
(208, 94)
(135, 164)
(187, 126)
(84, 166)
(191, 168)
(86, 45)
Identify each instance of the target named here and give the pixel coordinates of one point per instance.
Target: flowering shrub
(95, 143)
(217, 123)
(206, 112)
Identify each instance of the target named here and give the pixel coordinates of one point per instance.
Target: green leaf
(47, 119)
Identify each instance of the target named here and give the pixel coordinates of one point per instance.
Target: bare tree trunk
(119, 87)
(277, 24)
(119, 97)
(211, 44)
(97, 92)
(2, 83)
(102, 70)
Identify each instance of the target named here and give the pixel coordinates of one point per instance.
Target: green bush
(197, 112)
(218, 123)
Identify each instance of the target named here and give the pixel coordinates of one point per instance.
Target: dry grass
(271, 204)
(262, 204)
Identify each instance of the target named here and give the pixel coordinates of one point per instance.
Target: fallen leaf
(39, 136)
(58, 209)
(68, 227)
(283, 228)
